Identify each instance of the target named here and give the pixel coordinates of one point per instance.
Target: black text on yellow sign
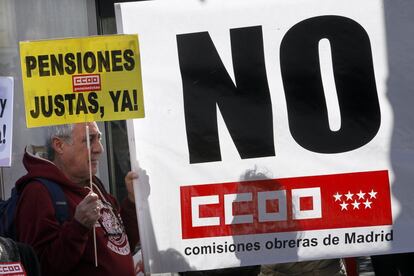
(79, 80)
(79, 63)
(78, 103)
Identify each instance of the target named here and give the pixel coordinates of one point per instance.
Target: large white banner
(269, 133)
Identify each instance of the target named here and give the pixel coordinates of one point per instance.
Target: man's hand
(129, 180)
(88, 212)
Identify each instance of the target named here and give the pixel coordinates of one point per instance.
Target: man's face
(75, 154)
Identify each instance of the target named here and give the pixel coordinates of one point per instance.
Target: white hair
(60, 131)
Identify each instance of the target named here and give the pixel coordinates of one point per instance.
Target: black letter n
(246, 107)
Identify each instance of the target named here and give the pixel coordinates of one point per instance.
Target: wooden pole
(88, 146)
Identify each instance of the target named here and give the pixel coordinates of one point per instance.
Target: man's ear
(57, 145)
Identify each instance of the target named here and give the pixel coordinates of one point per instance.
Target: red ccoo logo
(89, 82)
(286, 205)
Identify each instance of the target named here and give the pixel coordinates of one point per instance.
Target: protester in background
(231, 271)
(17, 257)
(68, 248)
(393, 264)
(330, 267)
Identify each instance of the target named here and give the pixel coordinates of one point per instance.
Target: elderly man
(68, 248)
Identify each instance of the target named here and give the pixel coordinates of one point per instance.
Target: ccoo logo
(285, 205)
(88, 82)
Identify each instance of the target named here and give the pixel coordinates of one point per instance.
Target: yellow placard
(81, 80)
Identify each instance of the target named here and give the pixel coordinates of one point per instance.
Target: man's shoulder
(33, 186)
(34, 191)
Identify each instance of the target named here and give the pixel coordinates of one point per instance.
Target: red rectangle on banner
(87, 82)
(285, 205)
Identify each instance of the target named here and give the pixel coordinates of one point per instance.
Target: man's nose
(97, 147)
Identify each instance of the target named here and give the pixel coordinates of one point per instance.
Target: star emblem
(373, 194)
(344, 206)
(337, 196)
(360, 195)
(349, 196)
(367, 204)
(356, 204)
